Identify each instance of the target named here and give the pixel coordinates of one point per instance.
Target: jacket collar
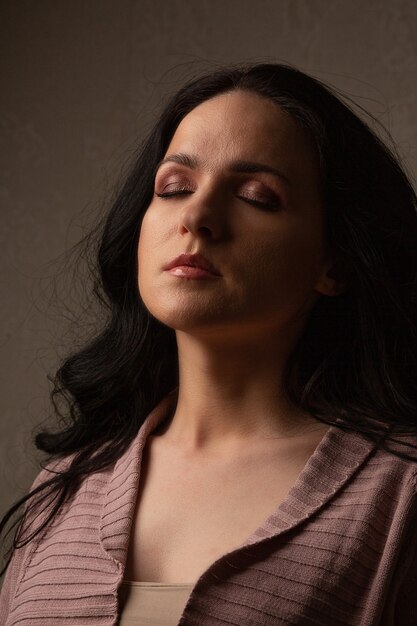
(335, 460)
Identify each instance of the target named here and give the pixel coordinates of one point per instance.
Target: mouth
(185, 263)
(189, 271)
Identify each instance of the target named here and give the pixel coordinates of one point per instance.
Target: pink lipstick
(192, 266)
(187, 271)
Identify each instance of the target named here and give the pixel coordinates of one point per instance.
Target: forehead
(242, 125)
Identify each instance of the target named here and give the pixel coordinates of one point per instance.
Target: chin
(187, 319)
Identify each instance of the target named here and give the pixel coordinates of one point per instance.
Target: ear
(333, 279)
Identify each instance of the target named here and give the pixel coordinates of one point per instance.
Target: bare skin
(190, 511)
(235, 442)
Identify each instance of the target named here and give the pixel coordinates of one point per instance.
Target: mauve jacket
(339, 550)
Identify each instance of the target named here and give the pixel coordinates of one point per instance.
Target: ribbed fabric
(340, 550)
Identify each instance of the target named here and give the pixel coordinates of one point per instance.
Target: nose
(204, 214)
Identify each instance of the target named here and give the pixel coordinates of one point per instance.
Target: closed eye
(263, 204)
(168, 194)
(176, 188)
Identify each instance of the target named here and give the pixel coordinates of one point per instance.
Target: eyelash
(183, 191)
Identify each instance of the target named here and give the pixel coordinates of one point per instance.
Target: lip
(193, 261)
(186, 271)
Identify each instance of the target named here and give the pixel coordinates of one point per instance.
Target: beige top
(152, 604)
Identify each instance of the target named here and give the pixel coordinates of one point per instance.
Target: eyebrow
(193, 163)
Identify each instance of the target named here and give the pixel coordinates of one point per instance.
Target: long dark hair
(356, 359)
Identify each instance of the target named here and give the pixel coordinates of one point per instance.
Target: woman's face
(244, 194)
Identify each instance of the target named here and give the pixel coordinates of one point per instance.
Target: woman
(243, 429)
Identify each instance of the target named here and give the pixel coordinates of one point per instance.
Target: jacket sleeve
(406, 600)
(406, 603)
(16, 565)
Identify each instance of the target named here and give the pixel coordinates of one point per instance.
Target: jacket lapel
(120, 499)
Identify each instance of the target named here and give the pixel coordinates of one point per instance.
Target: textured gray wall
(80, 84)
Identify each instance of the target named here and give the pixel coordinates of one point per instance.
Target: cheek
(149, 233)
(290, 261)
(144, 252)
(154, 237)
(142, 245)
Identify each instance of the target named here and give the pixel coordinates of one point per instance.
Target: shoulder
(389, 483)
(374, 479)
(395, 462)
(398, 457)
(69, 541)
(17, 564)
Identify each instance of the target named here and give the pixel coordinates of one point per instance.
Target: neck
(229, 397)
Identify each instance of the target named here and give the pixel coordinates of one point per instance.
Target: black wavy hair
(356, 359)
